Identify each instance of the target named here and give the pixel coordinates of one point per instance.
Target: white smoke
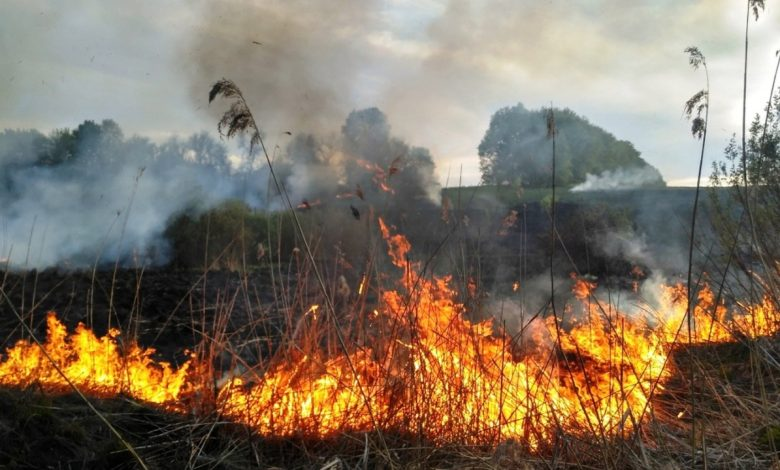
(84, 212)
(621, 178)
(111, 199)
(626, 245)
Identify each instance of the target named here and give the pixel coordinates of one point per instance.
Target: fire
(380, 175)
(306, 204)
(96, 365)
(430, 371)
(711, 319)
(582, 288)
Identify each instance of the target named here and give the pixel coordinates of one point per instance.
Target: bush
(229, 236)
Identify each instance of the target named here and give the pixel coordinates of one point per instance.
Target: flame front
(429, 371)
(94, 365)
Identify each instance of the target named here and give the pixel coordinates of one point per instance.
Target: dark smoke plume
(296, 61)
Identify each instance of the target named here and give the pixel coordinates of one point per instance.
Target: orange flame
(711, 319)
(379, 176)
(97, 365)
(431, 371)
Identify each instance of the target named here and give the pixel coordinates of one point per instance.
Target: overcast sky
(438, 68)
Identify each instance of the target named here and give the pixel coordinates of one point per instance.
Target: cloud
(298, 62)
(621, 65)
(62, 63)
(438, 68)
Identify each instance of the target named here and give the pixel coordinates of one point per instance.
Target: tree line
(515, 150)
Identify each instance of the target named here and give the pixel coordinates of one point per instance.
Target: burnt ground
(164, 309)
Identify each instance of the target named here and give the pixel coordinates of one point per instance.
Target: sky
(438, 68)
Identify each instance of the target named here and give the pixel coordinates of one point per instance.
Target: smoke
(303, 67)
(658, 248)
(626, 245)
(90, 196)
(364, 164)
(621, 178)
(296, 61)
(105, 201)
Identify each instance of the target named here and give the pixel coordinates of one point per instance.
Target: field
(297, 291)
(395, 368)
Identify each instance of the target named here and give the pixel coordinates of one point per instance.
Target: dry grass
(736, 393)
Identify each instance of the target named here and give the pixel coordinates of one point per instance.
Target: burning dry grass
(590, 385)
(97, 365)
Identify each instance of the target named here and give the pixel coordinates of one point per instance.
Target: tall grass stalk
(239, 119)
(111, 309)
(698, 104)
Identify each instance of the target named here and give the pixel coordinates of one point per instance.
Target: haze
(438, 69)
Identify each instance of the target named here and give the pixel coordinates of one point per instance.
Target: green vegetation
(515, 150)
(721, 409)
(748, 222)
(228, 236)
(511, 196)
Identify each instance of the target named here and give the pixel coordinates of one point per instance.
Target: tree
(60, 148)
(410, 171)
(20, 146)
(98, 144)
(514, 149)
(18, 150)
(198, 149)
(760, 161)
(208, 151)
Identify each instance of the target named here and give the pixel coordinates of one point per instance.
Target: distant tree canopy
(366, 136)
(99, 150)
(84, 180)
(103, 144)
(516, 150)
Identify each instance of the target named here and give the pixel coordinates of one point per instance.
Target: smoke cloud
(297, 62)
(626, 245)
(90, 196)
(108, 200)
(621, 178)
(364, 163)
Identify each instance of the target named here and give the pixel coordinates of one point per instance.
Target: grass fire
(389, 235)
(429, 371)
